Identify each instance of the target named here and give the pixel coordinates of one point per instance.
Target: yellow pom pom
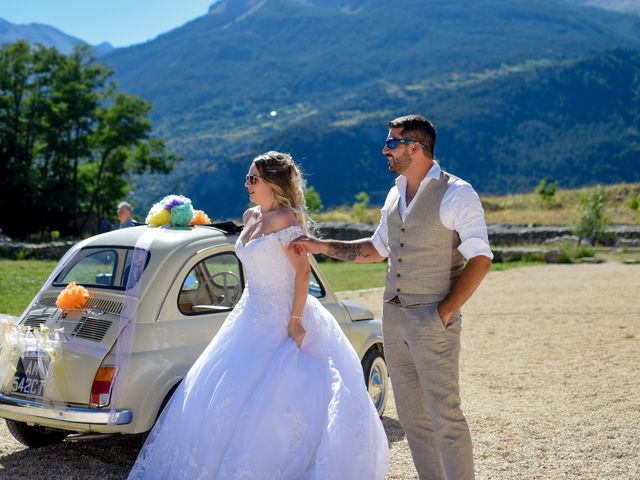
(73, 296)
(158, 216)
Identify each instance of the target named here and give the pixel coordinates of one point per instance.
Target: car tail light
(101, 388)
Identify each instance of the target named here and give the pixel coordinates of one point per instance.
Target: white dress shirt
(460, 210)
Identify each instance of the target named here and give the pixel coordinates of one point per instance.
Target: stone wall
(39, 251)
(499, 236)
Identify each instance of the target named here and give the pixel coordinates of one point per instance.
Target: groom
(431, 222)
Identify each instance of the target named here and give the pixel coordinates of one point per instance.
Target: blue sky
(119, 22)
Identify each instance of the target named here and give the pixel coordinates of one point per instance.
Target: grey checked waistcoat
(424, 261)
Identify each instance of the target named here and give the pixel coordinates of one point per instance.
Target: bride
(279, 392)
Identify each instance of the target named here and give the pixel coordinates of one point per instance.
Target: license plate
(30, 376)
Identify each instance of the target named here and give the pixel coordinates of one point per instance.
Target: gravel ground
(549, 382)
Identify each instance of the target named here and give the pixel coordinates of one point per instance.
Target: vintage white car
(191, 281)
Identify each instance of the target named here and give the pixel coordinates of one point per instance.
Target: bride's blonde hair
(279, 171)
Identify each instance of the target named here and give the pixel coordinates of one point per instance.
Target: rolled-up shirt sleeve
(464, 214)
(380, 238)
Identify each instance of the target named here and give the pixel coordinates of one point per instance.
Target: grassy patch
(527, 208)
(502, 266)
(574, 253)
(621, 255)
(357, 276)
(354, 276)
(344, 214)
(20, 280)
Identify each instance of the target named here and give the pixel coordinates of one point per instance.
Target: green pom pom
(181, 215)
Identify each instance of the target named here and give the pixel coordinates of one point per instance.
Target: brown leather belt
(395, 300)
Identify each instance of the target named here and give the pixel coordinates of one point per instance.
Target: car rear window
(99, 267)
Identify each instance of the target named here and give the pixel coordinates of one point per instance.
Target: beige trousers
(423, 361)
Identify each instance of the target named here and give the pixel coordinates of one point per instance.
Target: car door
(203, 293)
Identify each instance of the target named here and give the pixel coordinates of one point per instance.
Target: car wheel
(34, 436)
(376, 377)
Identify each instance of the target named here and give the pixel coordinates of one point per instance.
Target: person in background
(125, 210)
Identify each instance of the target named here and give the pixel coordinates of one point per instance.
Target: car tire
(34, 436)
(376, 378)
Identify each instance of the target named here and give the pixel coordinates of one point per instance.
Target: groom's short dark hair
(417, 127)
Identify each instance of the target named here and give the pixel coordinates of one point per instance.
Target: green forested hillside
(577, 123)
(519, 90)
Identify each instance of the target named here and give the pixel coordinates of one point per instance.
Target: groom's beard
(398, 164)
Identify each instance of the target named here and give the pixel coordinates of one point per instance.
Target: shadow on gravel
(105, 458)
(395, 432)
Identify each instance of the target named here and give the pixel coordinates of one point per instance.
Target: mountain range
(518, 90)
(46, 35)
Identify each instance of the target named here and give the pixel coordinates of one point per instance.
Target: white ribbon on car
(128, 317)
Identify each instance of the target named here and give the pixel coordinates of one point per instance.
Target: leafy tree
(546, 192)
(69, 142)
(18, 132)
(592, 218)
(77, 87)
(359, 208)
(121, 146)
(313, 200)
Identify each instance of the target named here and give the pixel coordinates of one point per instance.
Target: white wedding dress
(255, 406)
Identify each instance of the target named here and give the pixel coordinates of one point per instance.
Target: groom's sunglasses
(392, 143)
(253, 179)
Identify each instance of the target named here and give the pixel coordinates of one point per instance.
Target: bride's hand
(296, 331)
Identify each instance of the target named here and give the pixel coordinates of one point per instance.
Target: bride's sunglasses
(252, 179)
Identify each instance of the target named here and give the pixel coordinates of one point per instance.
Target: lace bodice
(268, 269)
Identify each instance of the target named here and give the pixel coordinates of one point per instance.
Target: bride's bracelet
(295, 317)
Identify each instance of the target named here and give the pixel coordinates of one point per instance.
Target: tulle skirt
(255, 406)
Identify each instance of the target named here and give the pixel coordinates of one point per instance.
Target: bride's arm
(300, 291)
(282, 219)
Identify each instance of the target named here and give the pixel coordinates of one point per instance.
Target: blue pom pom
(181, 215)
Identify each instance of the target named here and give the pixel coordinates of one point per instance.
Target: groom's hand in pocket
(444, 315)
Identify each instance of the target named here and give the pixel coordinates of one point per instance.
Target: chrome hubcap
(377, 382)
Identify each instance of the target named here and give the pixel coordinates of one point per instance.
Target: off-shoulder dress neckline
(264, 235)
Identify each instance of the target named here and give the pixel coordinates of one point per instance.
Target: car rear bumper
(11, 406)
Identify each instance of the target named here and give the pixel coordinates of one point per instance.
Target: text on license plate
(30, 376)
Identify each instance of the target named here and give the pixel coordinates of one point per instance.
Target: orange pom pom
(73, 296)
(200, 218)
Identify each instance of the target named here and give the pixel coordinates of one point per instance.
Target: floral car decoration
(72, 297)
(175, 210)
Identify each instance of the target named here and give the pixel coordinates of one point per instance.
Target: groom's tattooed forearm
(347, 251)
